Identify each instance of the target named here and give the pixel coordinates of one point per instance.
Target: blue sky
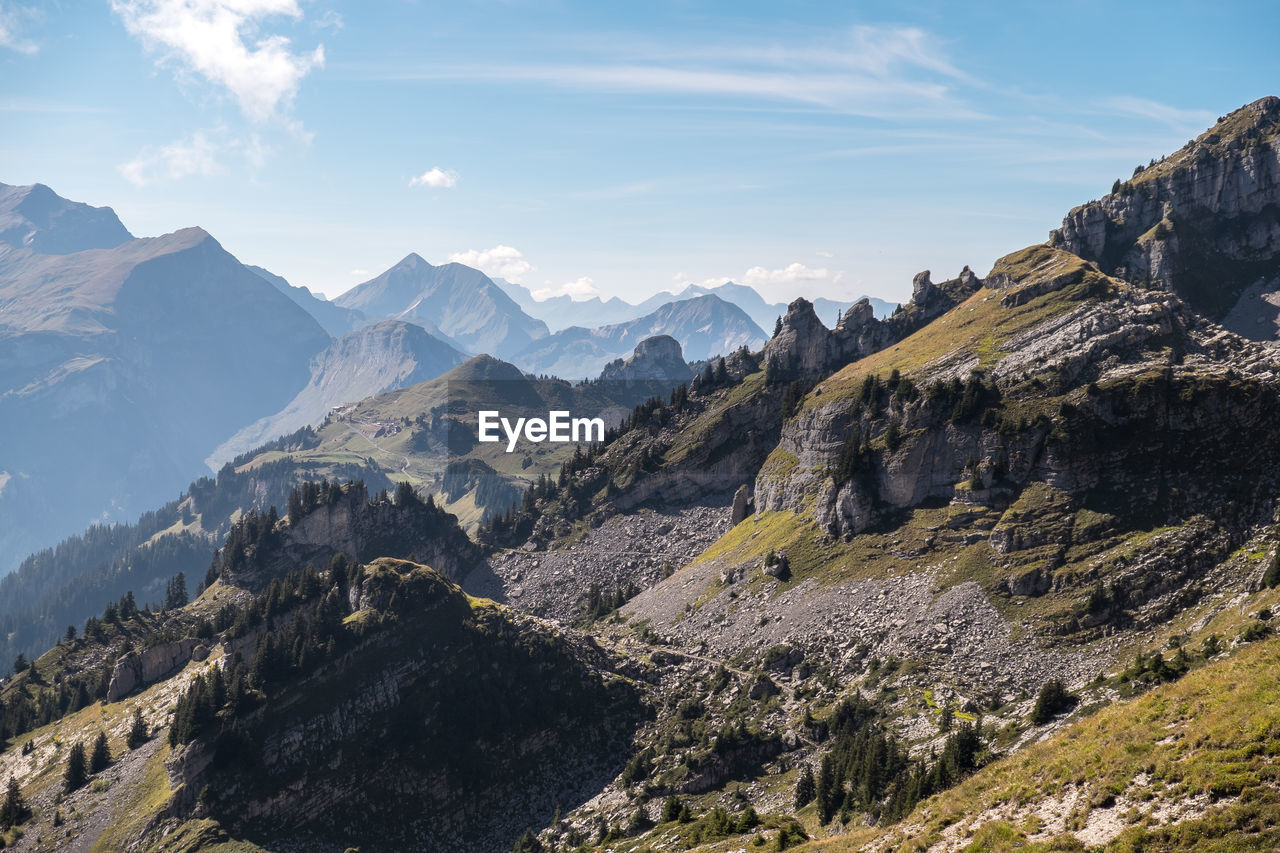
(805, 148)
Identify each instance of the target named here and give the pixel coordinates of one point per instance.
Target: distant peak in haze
(35, 217)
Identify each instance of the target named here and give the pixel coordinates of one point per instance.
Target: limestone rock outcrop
(658, 358)
(1203, 222)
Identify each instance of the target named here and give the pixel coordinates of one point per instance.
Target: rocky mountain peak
(859, 315)
(35, 217)
(802, 342)
(657, 358)
(921, 287)
(1203, 222)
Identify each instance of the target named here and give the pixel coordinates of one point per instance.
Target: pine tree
(175, 594)
(296, 510)
(806, 789)
(19, 663)
(138, 733)
(76, 774)
(101, 755)
(14, 810)
(528, 843)
(825, 791)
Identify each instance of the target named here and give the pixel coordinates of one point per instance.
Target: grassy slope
(351, 437)
(979, 326)
(1211, 739)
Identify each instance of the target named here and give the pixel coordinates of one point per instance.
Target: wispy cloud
(870, 71)
(12, 18)
(501, 261)
(1176, 117)
(220, 41)
(199, 154)
(436, 177)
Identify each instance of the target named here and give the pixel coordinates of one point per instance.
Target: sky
(818, 149)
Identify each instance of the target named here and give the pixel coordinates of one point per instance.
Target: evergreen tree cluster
(597, 604)
(713, 378)
(304, 499)
(867, 771)
(175, 592)
(313, 634)
(32, 703)
(253, 533)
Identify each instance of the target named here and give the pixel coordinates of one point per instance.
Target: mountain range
(997, 571)
(99, 327)
(561, 312)
(705, 326)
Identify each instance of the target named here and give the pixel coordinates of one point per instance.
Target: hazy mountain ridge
(335, 320)
(705, 326)
(120, 367)
(462, 302)
(387, 355)
(562, 312)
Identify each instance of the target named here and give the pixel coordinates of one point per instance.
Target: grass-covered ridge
(977, 330)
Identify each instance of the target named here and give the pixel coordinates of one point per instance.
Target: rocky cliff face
(655, 359)
(805, 349)
(135, 669)
(1204, 222)
(348, 522)
(979, 427)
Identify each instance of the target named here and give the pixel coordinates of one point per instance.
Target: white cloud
(789, 274)
(501, 261)
(10, 26)
(436, 177)
(578, 289)
(360, 272)
(198, 154)
(220, 41)
(825, 254)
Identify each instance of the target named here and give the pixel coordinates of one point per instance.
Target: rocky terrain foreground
(996, 572)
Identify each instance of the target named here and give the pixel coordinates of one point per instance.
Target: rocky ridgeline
(1101, 343)
(1203, 223)
(633, 550)
(361, 529)
(804, 348)
(737, 431)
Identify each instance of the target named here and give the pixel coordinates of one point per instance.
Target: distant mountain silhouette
(461, 302)
(121, 365)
